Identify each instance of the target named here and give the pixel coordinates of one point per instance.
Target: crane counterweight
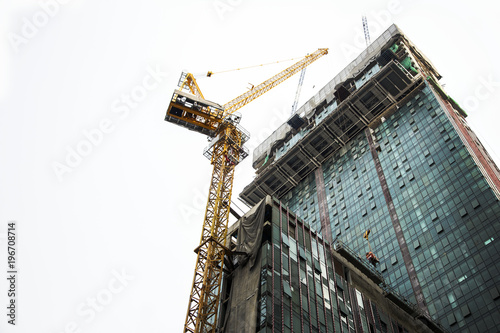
(194, 113)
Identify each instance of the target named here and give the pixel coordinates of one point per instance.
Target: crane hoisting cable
(210, 73)
(372, 259)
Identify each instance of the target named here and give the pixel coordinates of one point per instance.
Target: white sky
(136, 201)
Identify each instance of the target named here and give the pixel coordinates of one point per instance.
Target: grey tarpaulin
(241, 314)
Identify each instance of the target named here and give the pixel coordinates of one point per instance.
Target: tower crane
(366, 31)
(189, 108)
(299, 88)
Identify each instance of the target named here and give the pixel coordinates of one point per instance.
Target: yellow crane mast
(188, 108)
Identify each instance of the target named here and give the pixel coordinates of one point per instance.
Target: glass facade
(444, 209)
(305, 288)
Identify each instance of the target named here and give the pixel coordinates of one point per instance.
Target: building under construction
(381, 147)
(294, 281)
